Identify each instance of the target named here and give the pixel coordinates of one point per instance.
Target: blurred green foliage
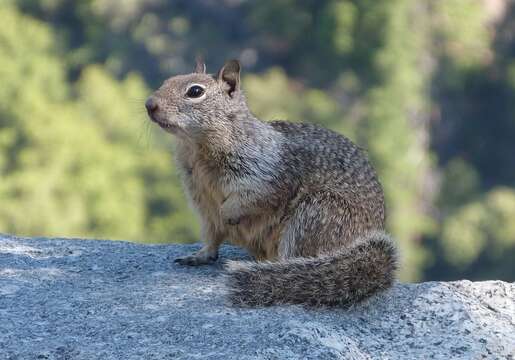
(74, 160)
(427, 87)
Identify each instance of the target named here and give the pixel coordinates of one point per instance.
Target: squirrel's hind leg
(320, 223)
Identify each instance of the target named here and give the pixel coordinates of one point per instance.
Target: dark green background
(428, 87)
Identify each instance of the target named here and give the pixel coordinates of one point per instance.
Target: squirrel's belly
(260, 236)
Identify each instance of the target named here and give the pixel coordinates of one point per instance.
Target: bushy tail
(340, 279)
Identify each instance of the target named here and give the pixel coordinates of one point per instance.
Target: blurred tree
(396, 122)
(473, 136)
(273, 96)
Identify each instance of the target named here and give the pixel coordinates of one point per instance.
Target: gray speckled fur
(302, 199)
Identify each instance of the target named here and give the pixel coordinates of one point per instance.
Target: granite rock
(92, 299)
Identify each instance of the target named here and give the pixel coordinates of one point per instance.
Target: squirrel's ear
(230, 75)
(200, 66)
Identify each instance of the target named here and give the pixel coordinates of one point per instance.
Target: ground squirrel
(303, 200)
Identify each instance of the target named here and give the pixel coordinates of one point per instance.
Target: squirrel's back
(324, 161)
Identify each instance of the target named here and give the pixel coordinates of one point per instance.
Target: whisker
(137, 100)
(144, 134)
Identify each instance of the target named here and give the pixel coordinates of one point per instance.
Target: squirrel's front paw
(230, 214)
(232, 221)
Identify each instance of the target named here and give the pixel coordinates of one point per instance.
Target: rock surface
(90, 299)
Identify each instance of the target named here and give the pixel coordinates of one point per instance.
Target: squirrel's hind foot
(196, 259)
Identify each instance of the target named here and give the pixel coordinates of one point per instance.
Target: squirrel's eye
(195, 91)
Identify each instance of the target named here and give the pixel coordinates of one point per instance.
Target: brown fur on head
(197, 104)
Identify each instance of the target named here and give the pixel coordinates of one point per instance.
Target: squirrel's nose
(151, 105)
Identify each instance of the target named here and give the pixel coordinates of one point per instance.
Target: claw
(194, 260)
(234, 221)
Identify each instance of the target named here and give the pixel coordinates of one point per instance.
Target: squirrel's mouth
(163, 125)
(167, 127)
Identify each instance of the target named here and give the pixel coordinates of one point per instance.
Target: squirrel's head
(197, 104)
